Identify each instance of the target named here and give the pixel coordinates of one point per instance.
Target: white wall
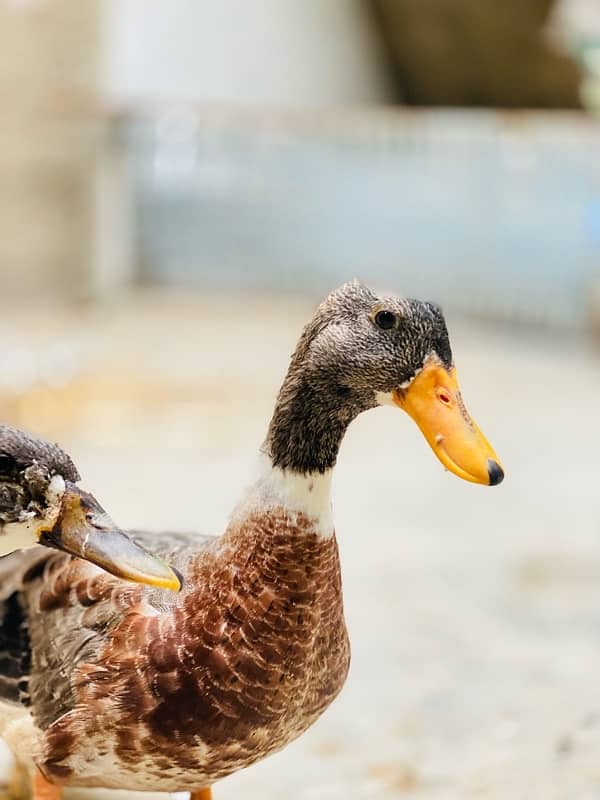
(577, 19)
(262, 52)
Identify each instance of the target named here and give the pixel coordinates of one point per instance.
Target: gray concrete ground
(474, 613)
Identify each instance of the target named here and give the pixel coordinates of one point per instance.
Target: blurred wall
(574, 20)
(48, 135)
(264, 52)
(491, 214)
(65, 65)
(89, 199)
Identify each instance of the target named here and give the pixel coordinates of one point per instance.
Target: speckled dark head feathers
(27, 465)
(25, 450)
(343, 359)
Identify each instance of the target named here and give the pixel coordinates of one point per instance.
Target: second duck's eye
(385, 320)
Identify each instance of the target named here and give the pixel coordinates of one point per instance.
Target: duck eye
(385, 320)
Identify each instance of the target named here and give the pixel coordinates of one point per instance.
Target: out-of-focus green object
(590, 56)
(477, 53)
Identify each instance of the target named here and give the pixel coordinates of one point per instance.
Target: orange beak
(434, 401)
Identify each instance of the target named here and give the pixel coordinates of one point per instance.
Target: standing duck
(40, 502)
(132, 688)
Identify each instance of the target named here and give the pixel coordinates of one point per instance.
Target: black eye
(385, 320)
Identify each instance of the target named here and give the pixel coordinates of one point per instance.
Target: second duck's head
(361, 350)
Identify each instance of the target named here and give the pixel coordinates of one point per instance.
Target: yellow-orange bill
(115, 552)
(434, 401)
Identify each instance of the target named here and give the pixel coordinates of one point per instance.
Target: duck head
(41, 503)
(362, 350)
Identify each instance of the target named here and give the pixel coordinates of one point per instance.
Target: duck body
(154, 692)
(113, 685)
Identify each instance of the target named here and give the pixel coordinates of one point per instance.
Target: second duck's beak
(434, 401)
(85, 530)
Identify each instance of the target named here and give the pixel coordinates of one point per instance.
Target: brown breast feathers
(253, 652)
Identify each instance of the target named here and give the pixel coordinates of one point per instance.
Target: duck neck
(300, 451)
(308, 426)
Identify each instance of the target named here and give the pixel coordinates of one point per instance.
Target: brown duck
(112, 685)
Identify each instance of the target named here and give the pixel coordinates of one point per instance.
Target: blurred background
(181, 182)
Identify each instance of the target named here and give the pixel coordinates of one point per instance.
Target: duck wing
(58, 612)
(175, 548)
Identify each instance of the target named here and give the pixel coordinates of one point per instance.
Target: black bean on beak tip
(495, 472)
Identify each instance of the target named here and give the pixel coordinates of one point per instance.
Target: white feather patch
(306, 494)
(384, 399)
(19, 731)
(387, 398)
(22, 535)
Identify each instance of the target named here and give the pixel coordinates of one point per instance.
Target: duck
(130, 687)
(40, 503)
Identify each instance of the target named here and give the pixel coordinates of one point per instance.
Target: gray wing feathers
(39, 664)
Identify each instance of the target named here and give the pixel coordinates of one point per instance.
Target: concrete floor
(474, 613)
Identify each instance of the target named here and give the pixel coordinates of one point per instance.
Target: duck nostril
(444, 396)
